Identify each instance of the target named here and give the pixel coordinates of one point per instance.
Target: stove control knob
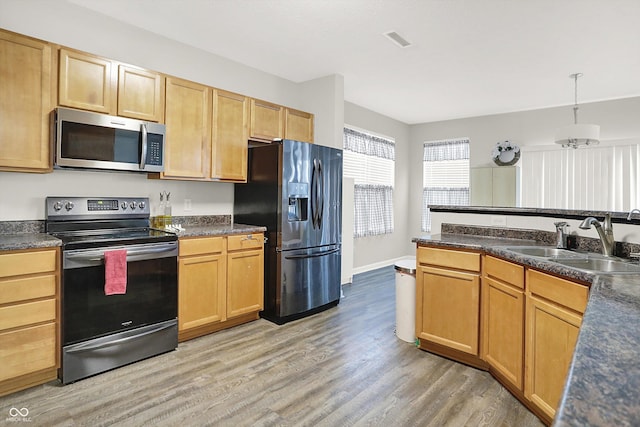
(57, 206)
(132, 205)
(141, 205)
(68, 206)
(123, 205)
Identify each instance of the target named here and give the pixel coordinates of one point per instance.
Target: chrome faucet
(605, 231)
(561, 234)
(631, 212)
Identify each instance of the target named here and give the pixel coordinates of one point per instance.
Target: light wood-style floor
(342, 367)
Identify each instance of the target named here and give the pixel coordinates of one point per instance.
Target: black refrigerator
(295, 189)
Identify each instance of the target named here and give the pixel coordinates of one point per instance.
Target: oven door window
(151, 297)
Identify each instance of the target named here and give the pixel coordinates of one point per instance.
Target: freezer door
(295, 217)
(309, 278)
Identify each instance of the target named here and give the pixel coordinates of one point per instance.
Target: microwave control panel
(154, 149)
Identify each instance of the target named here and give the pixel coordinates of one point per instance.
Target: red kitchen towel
(115, 272)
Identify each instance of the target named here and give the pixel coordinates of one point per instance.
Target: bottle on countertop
(159, 213)
(167, 211)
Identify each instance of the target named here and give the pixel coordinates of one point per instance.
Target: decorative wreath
(505, 153)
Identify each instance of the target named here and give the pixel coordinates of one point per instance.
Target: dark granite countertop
(219, 230)
(12, 242)
(603, 385)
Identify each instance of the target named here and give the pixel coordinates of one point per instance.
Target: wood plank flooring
(342, 367)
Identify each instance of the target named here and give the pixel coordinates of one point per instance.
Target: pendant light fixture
(576, 134)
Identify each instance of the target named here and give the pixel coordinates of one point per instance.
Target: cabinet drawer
(21, 289)
(13, 316)
(449, 258)
(27, 350)
(560, 291)
(18, 263)
(201, 245)
(245, 241)
(505, 271)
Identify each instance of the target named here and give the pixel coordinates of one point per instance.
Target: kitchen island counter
(603, 383)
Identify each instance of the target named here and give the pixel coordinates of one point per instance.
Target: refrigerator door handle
(314, 194)
(321, 194)
(314, 255)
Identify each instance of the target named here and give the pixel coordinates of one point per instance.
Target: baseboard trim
(381, 264)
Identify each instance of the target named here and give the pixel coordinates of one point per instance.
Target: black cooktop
(86, 239)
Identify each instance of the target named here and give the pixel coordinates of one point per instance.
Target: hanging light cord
(575, 95)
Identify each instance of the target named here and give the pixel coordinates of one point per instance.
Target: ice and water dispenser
(298, 201)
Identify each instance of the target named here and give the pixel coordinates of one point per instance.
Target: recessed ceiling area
(466, 58)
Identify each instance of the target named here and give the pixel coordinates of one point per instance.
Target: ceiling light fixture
(576, 134)
(397, 39)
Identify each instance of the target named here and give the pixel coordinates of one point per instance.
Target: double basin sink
(586, 261)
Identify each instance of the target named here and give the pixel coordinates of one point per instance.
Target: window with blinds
(603, 177)
(445, 175)
(370, 161)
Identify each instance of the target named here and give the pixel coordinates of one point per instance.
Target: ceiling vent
(397, 39)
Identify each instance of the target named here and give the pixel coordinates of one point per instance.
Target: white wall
(618, 119)
(70, 25)
(377, 251)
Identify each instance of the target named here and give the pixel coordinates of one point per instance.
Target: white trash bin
(406, 299)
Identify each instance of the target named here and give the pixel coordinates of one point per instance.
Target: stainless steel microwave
(85, 139)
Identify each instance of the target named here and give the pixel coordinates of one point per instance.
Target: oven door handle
(91, 346)
(83, 258)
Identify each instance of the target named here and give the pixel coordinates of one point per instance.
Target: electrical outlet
(187, 205)
(499, 220)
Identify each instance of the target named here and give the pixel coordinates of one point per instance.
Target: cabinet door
(298, 125)
(503, 329)
(229, 142)
(27, 350)
(245, 287)
(140, 94)
(267, 120)
(188, 120)
(448, 308)
(201, 290)
(25, 103)
(552, 333)
(86, 82)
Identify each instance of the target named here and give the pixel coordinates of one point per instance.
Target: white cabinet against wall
(498, 186)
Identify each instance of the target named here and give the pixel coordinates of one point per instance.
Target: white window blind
(370, 161)
(602, 177)
(445, 176)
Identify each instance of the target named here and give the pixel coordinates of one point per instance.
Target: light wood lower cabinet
(529, 325)
(27, 96)
(201, 282)
(554, 314)
(448, 299)
(220, 283)
(503, 319)
(29, 337)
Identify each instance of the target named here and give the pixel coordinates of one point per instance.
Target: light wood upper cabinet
(27, 96)
(140, 94)
(267, 121)
(29, 344)
(448, 298)
(86, 82)
(503, 305)
(245, 268)
(554, 309)
(298, 125)
(230, 134)
(188, 137)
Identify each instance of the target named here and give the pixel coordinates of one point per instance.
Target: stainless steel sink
(546, 252)
(600, 265)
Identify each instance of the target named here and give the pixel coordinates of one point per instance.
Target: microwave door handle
(143, 154)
